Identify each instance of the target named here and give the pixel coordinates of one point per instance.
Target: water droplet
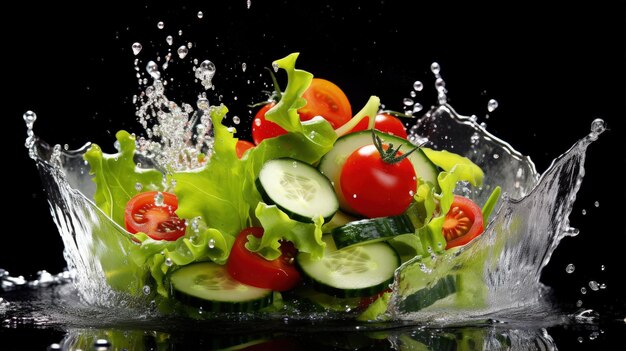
(244, 66)
(168, 262)
(153, 69)
(354, 196)
(593, 335)
(602, 286)
(598, 126)
(594, 285)
(248, 4)
(102, 343)
(417, 107)
(596, 204)
(138, 186)
(180, 32)
(418, 86)
(236, 120)
(275, 66)
(205, 73)
(584, 212)
(189, 45)
(203, 103)
(29, 117)
(146, 290)
(602, 267)
(583, 290)
(182, 51)
(200, 14)
(211, 243)
(159, 199)
(160, 25)
(435, 68)
(408, 102)
(169, 39)
(570, 268)
(492, 105)
(440, 84)
(579, 303)
(53, 346)
(571, 231)
(580, 339)
(136, 48)
(496, 156)
(312, 134)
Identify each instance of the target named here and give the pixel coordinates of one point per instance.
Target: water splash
(517, 244)
(515, 249)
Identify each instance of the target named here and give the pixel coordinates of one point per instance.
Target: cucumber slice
(208, 285)
(298, 189)
(427, 296)
(332, 163)
(372, 230)
(357, 271)
(339, 219)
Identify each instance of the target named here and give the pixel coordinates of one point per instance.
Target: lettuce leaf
(117, 175)
(213, 192)
(448, 161)
(306, 237)
(205, 244)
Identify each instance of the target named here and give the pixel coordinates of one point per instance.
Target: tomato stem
(389, 155)
(275, 96)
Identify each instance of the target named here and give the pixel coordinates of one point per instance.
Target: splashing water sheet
(540, 216)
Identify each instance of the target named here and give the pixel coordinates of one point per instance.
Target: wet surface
(36, 319)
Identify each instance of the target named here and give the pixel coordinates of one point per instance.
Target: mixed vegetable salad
(322, 206)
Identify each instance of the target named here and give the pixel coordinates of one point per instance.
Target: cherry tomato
(375, 188)
(159, 222)
(385, 123)
(324, 98)
(242, 146)
(463, 222)
(252, 269)
(263, 129)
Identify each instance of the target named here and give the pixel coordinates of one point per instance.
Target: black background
(552, 70)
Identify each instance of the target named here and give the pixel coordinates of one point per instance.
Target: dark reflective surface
(552, 71)
(36, 319)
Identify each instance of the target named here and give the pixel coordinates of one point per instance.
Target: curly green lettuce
(117, 175)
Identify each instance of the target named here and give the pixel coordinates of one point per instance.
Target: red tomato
(463, 222)
(375, 188)
(324, 98)
(263, 129)
(250, 268)
(142, 214)
(385, 123)
(242, 146)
